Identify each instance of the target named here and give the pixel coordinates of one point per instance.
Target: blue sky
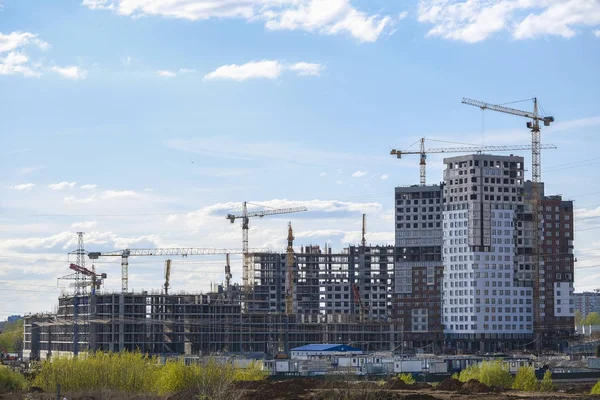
(144, 122)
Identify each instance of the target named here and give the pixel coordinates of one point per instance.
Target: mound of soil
(474, 386)
(449, 384)
(420, 386)
(396, 384)
(419, 396)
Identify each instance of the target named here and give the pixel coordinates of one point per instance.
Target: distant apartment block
(587, 302)
(419, 268)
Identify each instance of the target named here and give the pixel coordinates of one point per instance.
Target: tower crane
(468, 149)
(184, 252)
(245, 215)
(536, 179)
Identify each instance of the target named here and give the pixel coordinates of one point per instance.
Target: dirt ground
(328, 389)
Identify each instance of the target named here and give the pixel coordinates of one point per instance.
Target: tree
(12, 336)
(525, 379)
(547, 384)
(592, 319)
(578, 318)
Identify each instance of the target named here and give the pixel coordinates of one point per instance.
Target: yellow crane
(466, 149)
(245, 215)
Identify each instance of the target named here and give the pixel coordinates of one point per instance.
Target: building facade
(485, 306)
(587, 302)
(418, 267)
(557, 302)
(358, 281)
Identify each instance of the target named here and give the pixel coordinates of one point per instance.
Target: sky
(144, 122)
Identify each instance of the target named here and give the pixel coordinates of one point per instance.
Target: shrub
(491, 373)
(137, 373)
(547, 384)
(407, 378)
(525, 379)
(596, 388)
(11, 380)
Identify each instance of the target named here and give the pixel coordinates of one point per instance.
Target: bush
(491, 373)
(11, 380)
(407, 378)
(547, 384)
(525, 379)
(137, 373)
(596, 388)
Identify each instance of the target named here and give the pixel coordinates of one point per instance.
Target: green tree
(491, 373)
(592, 319)
(547, 384)
(11, 337)
(525, 379)
(578, 318)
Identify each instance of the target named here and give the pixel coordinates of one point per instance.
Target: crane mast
(167, 275)
(536, 193)
(289, 283)
(245, 227)
(227, 270)
(465, 149)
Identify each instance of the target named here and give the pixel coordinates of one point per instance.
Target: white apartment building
(483, 305)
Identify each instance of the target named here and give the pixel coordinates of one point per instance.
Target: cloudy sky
(144, 122)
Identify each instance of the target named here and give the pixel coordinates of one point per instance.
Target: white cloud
(319, 233)
(559, 19)
(62, 185)
(166, 73)
(380, 238)
(267, 69)
(338, 182)
(186, 70)
(84, 225)
(88, 187)
(16, 63)
(384, 176)
(23, 186)
(127, 61)
(304, 68)
(12, 59)
(328, 17)
(70, 72)
(98, 4)
(323, 174)
(474, 21)
(15, 40)
(359, 174)
(597, 33)
(80, 200)
(111, 194)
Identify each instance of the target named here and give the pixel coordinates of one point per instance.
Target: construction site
(433, 291)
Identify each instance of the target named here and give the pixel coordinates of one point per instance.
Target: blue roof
(326, 347)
